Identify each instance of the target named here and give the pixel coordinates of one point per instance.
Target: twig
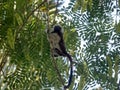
(56, 68)
(3, 62)
(48, 26)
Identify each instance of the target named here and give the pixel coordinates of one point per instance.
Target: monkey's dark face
(57, 29)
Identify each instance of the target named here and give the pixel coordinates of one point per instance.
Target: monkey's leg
(59, 52)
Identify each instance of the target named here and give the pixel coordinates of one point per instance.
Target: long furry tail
(71, 72)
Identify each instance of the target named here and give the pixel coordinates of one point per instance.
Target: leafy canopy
(91, 33)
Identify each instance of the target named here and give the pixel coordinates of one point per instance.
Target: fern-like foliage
(91, 36)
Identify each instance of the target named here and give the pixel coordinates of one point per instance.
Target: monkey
(57, 45)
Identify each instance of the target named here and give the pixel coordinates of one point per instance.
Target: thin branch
(3, 62)
(57, 70)
(56, 12)
(48, 19)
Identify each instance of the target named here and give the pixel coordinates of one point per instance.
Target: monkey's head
(57, 29)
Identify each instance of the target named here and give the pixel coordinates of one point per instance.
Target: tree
(90, 33)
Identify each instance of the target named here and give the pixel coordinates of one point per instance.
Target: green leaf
(119, 3)
(110, 66)
(82, 82)
(10, 38)
(19, 19)
(117, 27)
(116, 67)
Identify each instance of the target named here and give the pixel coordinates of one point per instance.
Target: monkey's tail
(71, 72)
